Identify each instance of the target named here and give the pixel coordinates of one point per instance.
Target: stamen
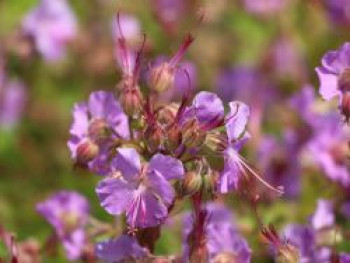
(279, 189)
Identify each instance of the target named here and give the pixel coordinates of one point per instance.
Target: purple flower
(68, 213)
(345, 209)
(239, 83)
(323, 216)
(303, 237)
(344, 258)
(328, 148)
(280, 163)
(265, 7)
(96, 124)
(286, 59)
(120, 249)
(12, 101)
(129, 28)
(51, 25)
(334, 76)
(338, 11)
(207, 109)
(144, 193)
(169, 12)
(236, 121)
(223, 239)
(302, 102)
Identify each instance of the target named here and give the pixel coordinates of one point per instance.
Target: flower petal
(208, 107)
(115, 195)
(127, 161)
(161, 187)
(231, 173)
(328, 83)
(168, 167)
(237, 120)
(146, 210)
(117, 250)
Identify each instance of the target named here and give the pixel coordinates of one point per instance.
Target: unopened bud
(209, 182)
(216, 141)
(162, 77)
(153, 137)
(167, 114)
(191, 184)
(131, 100)
(174, 136)
(99, 130)
(86, 151)
(288, 254)
(193, 136)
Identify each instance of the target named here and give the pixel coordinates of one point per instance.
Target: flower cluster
(152, 154)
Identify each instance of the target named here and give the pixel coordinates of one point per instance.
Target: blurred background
(261, 52)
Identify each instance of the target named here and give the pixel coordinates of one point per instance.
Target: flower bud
(173, 137)
(86, 151)
(193, 136)
(216, 141)
(99, 130)
(162, 77)
(131, 100)
(167, 114)
(191, 184)
(153, 136)
(208, 184)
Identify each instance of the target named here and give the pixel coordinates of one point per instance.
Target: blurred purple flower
(169, 12)
(239, 83)
(95, 124)
(223, 239)
(129, 28)
(12, 100)
(143, 192)
(287, 60)
(339, 11)
(334, 76)
(120, 249)
(51, 25)
(328, 148)
(265, 7)
(280, 163)
(302, 102)
(345, 209)
(323, 216)
(304, 237)
(68, 213)
(344, 258)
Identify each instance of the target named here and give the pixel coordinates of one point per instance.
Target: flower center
(70, 221)
(99, 129)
